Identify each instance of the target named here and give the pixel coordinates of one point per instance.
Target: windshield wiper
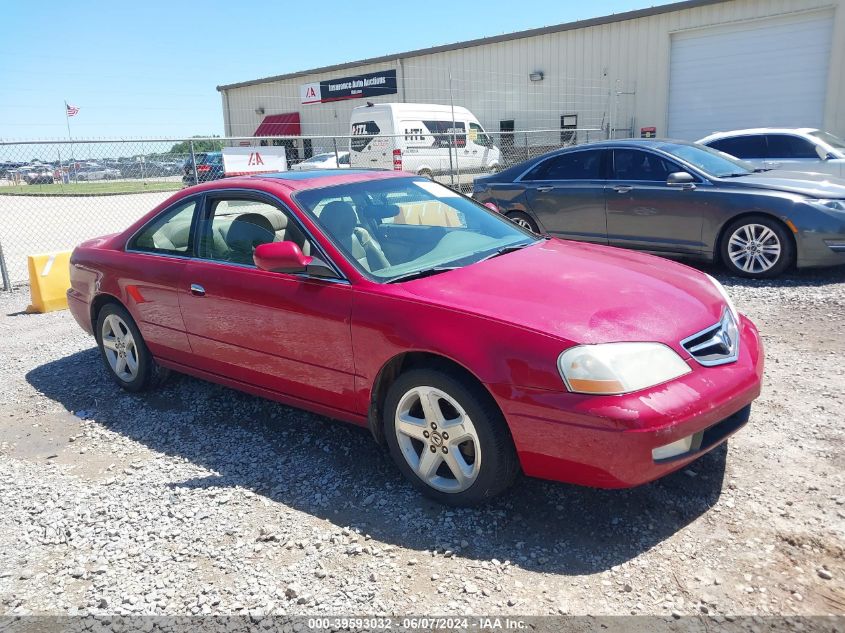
(736, 174)
(760, 170)
(504, 250)
(419, 274)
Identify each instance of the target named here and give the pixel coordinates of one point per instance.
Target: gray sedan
(676, 199)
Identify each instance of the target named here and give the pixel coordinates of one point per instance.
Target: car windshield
(830, 139)
(400, 228)
(318, 158)
(708, 160)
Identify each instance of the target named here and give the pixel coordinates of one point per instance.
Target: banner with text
(357, 87)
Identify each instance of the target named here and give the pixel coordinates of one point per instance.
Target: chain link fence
(54, 195)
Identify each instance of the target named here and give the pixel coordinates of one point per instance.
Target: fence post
(7, 285)
(194, 162)
(336, 156)
(527, 150)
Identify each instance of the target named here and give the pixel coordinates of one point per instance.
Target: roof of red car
(296, 180)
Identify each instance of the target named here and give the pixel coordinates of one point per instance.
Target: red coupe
(469, 346)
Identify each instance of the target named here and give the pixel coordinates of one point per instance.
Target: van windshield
(396, 229)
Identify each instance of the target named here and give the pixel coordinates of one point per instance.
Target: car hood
(809, 184)
(581, 293)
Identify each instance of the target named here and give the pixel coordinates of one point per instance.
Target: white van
(422, 138)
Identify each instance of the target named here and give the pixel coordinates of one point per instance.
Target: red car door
(152, 269)
(282, 332)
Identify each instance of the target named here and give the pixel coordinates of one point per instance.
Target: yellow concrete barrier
(49, 280)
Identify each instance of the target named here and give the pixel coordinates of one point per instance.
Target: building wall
(583, 69)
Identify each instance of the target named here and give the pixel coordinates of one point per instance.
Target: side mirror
(822, 153)
(287, 257)
(681, 179)
(281, 257)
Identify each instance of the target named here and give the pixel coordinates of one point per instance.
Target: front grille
(716, 345)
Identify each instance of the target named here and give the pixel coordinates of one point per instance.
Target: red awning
(286, 124)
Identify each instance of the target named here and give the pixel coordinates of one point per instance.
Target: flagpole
(69, 138)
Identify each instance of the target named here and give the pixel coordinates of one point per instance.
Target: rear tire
(124, 352)
(524, 220)
(757, 247)
(477, 463)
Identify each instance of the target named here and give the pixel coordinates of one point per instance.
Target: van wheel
(426, 173)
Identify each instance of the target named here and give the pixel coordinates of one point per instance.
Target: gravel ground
(196, 499)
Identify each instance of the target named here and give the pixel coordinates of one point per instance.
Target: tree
(199, 146)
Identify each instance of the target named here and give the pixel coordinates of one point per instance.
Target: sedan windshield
(830, 139)
(710, 161)
(398, 229)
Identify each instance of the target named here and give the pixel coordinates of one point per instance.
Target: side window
(237, 226)
(583, 165)
(169, 233)
(479, 136)
(633, 164)
(742, 146)
(787, 146)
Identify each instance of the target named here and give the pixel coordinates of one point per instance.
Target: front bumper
(608, 441)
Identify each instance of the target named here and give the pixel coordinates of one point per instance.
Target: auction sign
(357, 87)
(242, 161)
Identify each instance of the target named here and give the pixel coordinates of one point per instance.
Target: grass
(89, 188)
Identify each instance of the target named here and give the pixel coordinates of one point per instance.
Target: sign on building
(242, 161)
(357, 87)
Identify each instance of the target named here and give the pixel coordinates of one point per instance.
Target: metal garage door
(770, 72)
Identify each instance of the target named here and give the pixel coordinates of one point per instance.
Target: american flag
(71, 110)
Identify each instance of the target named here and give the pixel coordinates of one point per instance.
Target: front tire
(757, 247)
(448, 437)
(124, 352)
(524, 220)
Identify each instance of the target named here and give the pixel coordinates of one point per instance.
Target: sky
(150, 69)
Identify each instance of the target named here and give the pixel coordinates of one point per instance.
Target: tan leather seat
(341, 222)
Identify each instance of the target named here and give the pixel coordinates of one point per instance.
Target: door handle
(197, 290)
(544, 189)
(623, 188)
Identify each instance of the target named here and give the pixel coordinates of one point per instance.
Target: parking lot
(196, 499)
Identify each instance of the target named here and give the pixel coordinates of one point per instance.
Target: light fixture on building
(536, 76)
(259, 110)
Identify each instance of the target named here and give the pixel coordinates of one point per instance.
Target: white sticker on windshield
(437, 190)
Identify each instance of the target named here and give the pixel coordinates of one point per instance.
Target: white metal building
(686, 69)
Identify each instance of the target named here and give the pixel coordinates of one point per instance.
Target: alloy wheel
(754, 248)
(120, 348)
(438, 439)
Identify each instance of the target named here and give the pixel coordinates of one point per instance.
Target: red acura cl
(471, 348)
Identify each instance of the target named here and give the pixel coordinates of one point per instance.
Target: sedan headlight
(615, 368)
(835, 205)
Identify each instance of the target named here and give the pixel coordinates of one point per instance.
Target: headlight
(726, 297)
(614, 368)
(835, 205)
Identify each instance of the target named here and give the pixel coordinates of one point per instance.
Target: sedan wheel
(523, 220)
(757, 247)
(124, 352)
(438, 439)
(448, 437)
(120, 348)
